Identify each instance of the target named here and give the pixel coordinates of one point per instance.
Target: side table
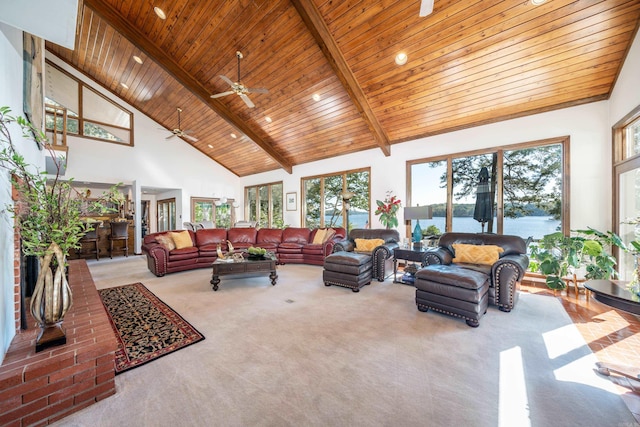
(407, 254)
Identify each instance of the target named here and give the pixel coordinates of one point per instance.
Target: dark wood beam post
(121, 25)
(316, 25)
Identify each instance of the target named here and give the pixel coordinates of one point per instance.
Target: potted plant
(388, 210)
(557, 255)
(48, 214)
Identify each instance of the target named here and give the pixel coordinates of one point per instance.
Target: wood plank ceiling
(470, 62)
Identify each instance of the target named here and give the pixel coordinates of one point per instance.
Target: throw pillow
(329, 235)
(319, 237)
(182, 239)
(167, 241)
(367, 245)
(476, 254)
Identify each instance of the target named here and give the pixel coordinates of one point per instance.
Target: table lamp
(417, 213)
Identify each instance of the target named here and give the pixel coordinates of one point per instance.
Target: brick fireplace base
(40, 388)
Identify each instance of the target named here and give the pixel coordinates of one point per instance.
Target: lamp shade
(417, 212)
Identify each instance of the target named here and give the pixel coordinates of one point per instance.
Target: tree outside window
(264, 204)
(526, 185)
(323, 205)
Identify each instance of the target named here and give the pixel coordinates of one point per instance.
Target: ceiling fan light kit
(238, 88)
(179, 132)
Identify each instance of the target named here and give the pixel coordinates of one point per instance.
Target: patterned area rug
(146, 328)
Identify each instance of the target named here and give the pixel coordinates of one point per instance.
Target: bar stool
(119, 231)
(91, 236)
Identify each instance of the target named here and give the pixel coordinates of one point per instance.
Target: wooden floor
(613, 335)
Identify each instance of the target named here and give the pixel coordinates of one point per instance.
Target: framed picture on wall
(292, 201)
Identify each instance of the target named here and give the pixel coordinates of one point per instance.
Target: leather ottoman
(348, 269)
(453, 290)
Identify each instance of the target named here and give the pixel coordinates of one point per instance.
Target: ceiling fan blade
(247, 101)
(171, 136)
(227, 79)
(258, 90)
(426, 7)
(190, 138)
(218, 95)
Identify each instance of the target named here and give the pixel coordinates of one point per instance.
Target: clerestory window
(77, 109)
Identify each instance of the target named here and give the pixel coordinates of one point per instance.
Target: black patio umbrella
(483, 211)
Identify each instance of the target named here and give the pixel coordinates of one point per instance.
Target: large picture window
(626, 182)
(73, 108)
(263, 204)
(527, 189)
(322, 195)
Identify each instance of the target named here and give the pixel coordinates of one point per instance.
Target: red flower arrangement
(388, 210)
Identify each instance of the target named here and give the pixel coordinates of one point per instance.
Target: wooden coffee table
(247, 268)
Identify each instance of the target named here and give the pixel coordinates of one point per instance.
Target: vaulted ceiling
(470, 62)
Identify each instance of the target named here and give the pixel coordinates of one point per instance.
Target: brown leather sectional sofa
(291, 245)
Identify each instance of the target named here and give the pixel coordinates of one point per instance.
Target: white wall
(626, 94)
(10, 95)
(590, 159)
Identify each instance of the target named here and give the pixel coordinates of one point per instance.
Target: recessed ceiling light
(124, 85)
(401, 58)
(137, 59)
(316, 97)
(160, 13)
(537, 2)
(233, 135)
(268, 119)
(209, 145)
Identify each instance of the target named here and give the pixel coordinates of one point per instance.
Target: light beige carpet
(302, 354)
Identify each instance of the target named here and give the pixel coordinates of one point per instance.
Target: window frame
(270, 202)
(564, 141)
(81, 114)
(621, 164)
(322, 177)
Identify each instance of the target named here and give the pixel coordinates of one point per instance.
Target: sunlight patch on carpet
(514, 405)
(146, 328)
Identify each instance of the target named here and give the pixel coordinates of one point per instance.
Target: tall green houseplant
(557, 255)
(48, 215)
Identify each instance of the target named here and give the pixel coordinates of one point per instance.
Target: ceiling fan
(181, 133)
(238, 88)
(426, 7)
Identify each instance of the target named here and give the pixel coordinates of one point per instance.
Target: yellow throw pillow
(182, 239)
(367, 245)
(329, 235)
(319, 237)
(167, 241)
(476, 254)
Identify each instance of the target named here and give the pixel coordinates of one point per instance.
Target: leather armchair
(504, 275)
(381, 256)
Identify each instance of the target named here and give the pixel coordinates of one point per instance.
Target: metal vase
(51, 299)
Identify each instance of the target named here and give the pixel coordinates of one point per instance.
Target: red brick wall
(40, 388)
(16, 275)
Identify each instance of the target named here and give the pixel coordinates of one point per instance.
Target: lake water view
(535, 226)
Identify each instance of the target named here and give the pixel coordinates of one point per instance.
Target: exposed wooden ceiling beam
(316, 25)
(121, 25)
